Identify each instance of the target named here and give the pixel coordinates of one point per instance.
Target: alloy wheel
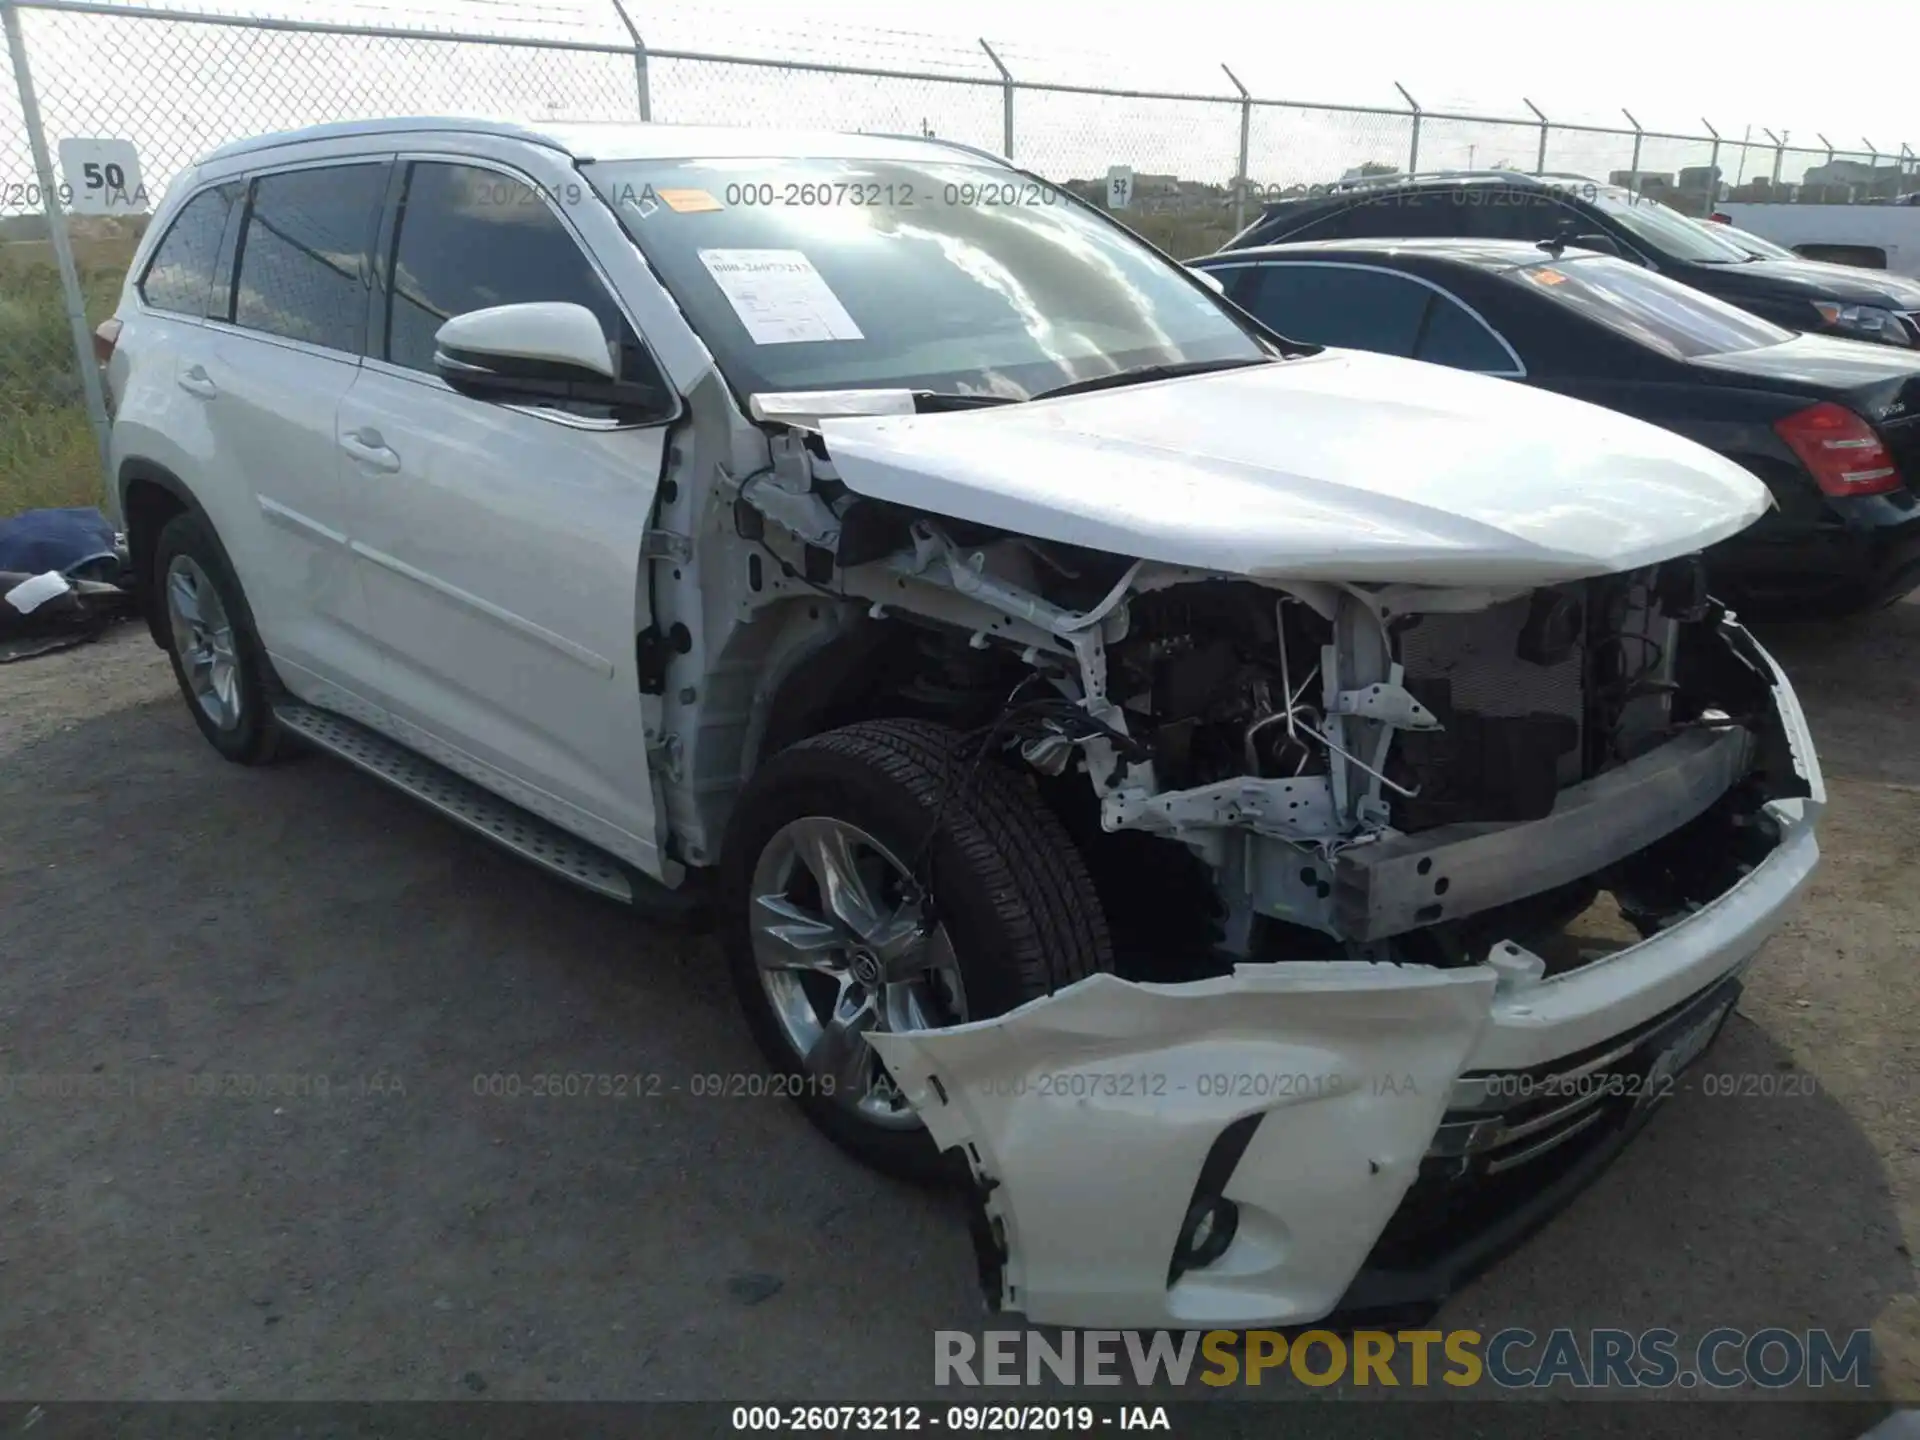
(203, 641)
(847, 944)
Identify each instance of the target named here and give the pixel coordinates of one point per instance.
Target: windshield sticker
(779, 296)
(688, 202)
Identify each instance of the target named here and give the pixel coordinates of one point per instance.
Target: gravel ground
(169, 921)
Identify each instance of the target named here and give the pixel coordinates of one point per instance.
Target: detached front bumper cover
(1106, 1124)
(1090, 1117)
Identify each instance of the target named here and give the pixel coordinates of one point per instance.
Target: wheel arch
(796, 668)
(151, 495)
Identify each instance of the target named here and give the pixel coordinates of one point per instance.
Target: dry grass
(47, 450)
(1185, 235)
(47, 457)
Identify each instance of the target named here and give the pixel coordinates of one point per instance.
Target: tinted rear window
(1649, 308)
(181, 272)
(1345, 305)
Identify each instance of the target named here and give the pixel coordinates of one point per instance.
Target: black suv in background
(1575, 210)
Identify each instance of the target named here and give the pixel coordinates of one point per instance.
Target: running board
(458, 798)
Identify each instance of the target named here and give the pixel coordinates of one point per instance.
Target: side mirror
(541, 352)
(1209, 279)
(1594, 240)
(531, 341)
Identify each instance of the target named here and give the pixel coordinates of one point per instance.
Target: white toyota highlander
(1275, 820)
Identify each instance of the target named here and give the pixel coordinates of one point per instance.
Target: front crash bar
(1412, 881)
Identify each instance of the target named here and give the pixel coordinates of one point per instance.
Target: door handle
(370, 450)
(197, 382)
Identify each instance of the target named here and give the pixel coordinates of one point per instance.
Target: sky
(177, 90)
(1670, 63)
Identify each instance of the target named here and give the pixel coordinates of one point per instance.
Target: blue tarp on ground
(76, 541)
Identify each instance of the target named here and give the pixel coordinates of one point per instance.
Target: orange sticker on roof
(1539, 277)
(688, 202)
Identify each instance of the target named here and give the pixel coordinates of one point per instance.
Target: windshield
(1670, 317)
(1666, 230)
(821, 274)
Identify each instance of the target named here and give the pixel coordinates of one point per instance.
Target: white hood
(1338, 466)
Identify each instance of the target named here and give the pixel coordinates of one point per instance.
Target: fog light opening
(1206, 1234)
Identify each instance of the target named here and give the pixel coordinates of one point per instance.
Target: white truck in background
(1877, 236)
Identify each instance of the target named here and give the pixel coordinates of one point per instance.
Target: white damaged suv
(1281, 817)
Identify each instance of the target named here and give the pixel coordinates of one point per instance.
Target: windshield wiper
(1140, 374)
(932, 402)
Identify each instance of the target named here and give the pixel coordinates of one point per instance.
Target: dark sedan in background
(1832, 426)
(1576, 210)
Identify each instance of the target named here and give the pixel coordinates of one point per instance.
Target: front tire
(888, 876)
(217, 659)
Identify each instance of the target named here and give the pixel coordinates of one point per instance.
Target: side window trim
(380, 307)
(226, 265)
(244, 210)
(1519, 370)
(386, 235)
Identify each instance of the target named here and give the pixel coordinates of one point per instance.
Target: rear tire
(217, 659)
(920, 833)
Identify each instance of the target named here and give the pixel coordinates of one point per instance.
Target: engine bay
(1373, 771)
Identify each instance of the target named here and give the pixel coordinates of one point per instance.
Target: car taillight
(105, 335)
(1844, 453)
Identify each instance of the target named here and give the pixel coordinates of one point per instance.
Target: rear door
(276, 359)
(501, 544)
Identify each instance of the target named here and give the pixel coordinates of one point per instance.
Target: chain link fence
(722, 91)
(175, 84)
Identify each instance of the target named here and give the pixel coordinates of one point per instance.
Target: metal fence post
(1413, 147)
(1540, 160)
(1240, 175)
(639, 62)
(1713, 168)
(1006, 100)
(1873, 163)
(1634, 173)
(76, 305)
(1779, 152)
(1826, 142)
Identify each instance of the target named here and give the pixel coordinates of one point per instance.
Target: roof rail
(960, 145)
(1522, 177)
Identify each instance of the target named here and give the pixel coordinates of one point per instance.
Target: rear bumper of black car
(1859, 554)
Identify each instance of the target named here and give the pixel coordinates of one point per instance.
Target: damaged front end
(1534, 841)
(1480, 868)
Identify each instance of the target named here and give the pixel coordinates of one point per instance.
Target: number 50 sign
(101, 177)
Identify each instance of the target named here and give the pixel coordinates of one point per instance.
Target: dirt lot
(169, 922)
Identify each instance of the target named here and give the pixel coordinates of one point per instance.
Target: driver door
(500, 544)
